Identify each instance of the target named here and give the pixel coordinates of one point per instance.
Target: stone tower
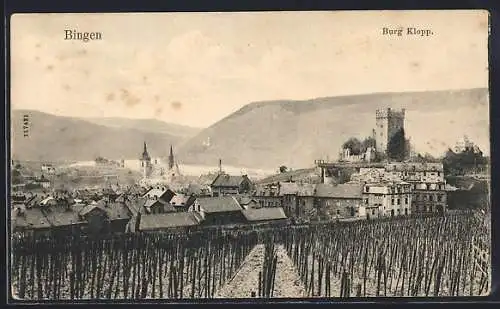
(388, 122)
(171, 160)
(145, 159)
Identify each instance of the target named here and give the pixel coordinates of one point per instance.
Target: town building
(296, 199)
(388, 123)
(339, 201)
(427, 183)
(220, 210)
(171, 222)
(383, 199)
(225, 184)
(273, 215)
(145, 161)
(182, 202)
(248, 202)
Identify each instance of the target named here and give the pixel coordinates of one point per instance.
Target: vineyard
(432, 256)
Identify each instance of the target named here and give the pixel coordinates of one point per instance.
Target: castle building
(145, 159)
(388, 122)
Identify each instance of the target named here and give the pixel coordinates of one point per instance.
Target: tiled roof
(288, 188)
(179, 200)
(351, 191)
(160, 193)
(85, 210)
(135, 205)
(266, 213)
(62, 217)
(168, 220)
(306, 189)
(224, 180)
(117, 211)
(244, 200)
(219, 204)
(32, 218)
(166, 206)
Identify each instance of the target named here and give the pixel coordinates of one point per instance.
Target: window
(439, 198)
(366, 201)
(439, 173)
(373, 211)
(392, 202)
(398, 201)
(367, 189)
(431, 198)
(406, 201)
(338, 211)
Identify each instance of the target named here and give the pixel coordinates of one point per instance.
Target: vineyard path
(287, 284)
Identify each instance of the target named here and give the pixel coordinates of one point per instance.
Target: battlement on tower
(390, 113)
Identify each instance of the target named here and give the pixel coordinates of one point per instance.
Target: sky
(196, 68)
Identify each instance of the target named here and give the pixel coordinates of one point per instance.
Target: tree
(367, 143)
(283, 169)
(354, 145)
(396, 148)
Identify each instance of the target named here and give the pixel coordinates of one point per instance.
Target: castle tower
(388, 122)
(171, 159)
(146, 162)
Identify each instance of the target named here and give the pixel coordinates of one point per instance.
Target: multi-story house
(427, 183)
(384, 199)
(225, 184)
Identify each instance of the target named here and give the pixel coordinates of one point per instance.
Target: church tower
(171, 161)
(145, 159)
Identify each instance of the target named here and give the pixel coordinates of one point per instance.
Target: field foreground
(431, 256)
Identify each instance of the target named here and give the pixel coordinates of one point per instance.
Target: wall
(331, 208)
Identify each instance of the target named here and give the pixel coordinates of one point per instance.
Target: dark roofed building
(29, 221)
(218, 210)
(157, 207)
(225, 184)
(65, 221)
(169, 221)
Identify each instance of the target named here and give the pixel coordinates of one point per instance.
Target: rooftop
(225, 180)
(266, 213)
(168, 220)
(348, 191)
(219, 204)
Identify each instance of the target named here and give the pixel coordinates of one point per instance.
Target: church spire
(171, 158)
(145, 154)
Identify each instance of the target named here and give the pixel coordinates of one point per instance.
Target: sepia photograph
(249, 155)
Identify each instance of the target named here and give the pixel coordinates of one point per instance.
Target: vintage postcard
(249, 155)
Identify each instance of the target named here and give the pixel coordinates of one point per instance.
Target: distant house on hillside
(225, 184)
(218, 210)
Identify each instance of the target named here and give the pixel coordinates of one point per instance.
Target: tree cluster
(463, 162)
(398, 148)
(357, 147)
